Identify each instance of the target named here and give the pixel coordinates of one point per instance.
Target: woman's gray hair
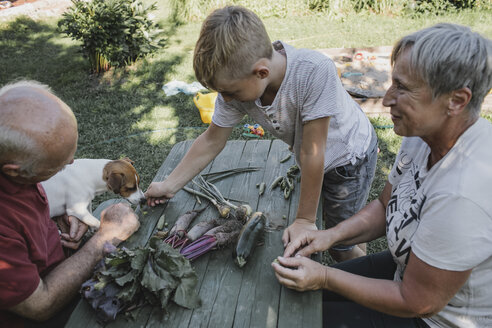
(448, 57)
(17, 143)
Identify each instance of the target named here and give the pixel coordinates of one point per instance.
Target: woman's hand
(300, 273)
(297, 228)
(309, 242)
(158, 193)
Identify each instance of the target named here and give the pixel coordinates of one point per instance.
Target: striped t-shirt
(311, 89)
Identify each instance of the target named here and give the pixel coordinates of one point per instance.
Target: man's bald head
(37, 129)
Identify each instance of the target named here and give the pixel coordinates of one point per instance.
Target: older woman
(435, 209)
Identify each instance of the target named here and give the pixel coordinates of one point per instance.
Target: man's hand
(72, 230)
(158, 193)
(296, 228)
(300, 273)
(118, 222)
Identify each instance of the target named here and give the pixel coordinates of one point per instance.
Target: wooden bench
(231, 297)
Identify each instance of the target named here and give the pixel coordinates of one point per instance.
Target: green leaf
(130, 276)
(169, 258)
(186, 295)
(153, 282)
(127, 293)
(140, 258)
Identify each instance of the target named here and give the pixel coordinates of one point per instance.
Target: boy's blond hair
(231, 40)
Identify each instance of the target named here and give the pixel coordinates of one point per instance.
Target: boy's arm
(203, 150)
(312, 160)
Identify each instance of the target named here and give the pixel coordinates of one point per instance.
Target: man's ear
(12, 170)
(459, 100)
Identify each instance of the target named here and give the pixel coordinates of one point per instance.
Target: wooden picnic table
(231, 296)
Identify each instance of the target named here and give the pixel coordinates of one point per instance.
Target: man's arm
(118, 222)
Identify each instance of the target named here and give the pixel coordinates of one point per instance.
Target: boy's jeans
(346, 188)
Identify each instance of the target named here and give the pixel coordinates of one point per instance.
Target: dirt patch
(34, 8)
(366, 74)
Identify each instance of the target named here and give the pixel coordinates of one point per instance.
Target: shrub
(113, 32)
(193, 10)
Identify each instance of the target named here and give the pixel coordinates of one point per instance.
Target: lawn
(124, 112)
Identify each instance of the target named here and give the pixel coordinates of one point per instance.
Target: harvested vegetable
(276, 182)
(215, 176)
(248, 238)
(210, 192)
(262, 188)
(199, 230)
(286, 158)
(160, 223)
(208, 242)
(223, 209)
(127, 279)
(217, 237)
(286, 183)
(243, 212)
(178, 231)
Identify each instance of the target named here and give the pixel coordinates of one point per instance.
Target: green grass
(124, 112)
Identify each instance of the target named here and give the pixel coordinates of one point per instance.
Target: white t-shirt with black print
(444, 216)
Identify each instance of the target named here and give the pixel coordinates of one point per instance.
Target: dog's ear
(115, 181)
(126, 159)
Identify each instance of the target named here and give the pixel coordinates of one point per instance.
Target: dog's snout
(137, 197)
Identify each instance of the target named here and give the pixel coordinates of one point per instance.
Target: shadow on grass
(123, 112)
(111, 107)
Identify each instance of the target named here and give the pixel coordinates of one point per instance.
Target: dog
(72, 189)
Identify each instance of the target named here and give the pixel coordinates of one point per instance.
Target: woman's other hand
(299, 273)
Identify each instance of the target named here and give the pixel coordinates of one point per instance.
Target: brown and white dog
(72, 189)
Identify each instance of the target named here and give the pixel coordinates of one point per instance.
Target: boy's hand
(158, 193)
(296, 228)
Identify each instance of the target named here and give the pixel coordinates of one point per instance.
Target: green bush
(193, 10)
(113, 32)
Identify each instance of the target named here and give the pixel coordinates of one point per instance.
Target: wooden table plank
(232, 297)
(243, 188)
(258, 302)
(217, 267)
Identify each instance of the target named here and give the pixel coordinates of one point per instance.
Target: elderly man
(38, 137)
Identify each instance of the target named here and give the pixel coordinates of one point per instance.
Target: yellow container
(206, 105)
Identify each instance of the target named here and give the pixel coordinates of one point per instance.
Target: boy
(297, 96)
